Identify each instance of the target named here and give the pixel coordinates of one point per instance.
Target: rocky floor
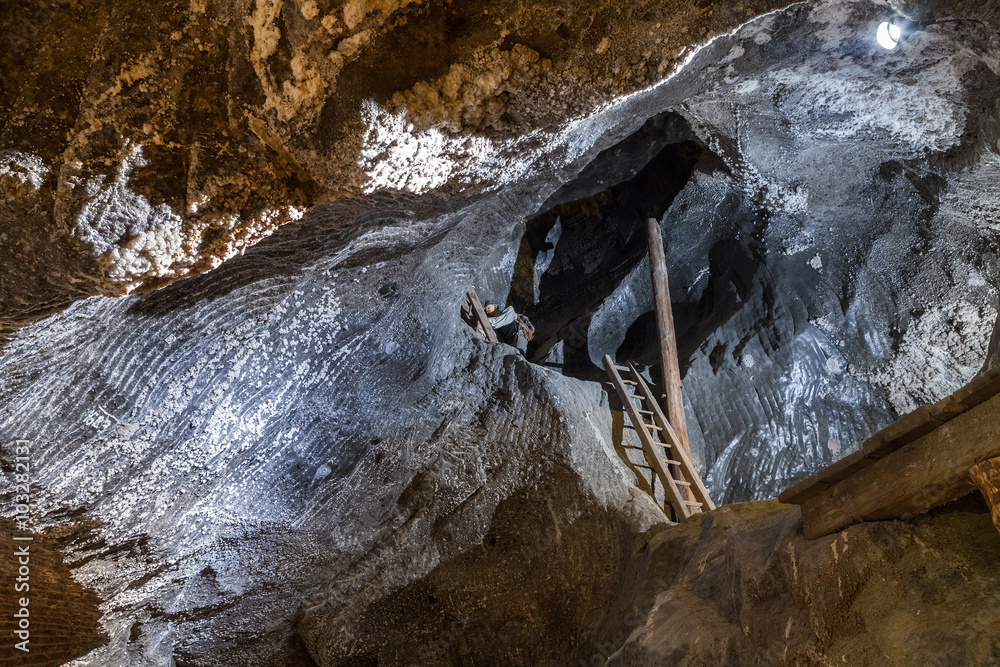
(741, 586)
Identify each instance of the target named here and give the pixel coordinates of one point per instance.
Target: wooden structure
(666, 458)
(934, 455)
(669, 366)
(986, 475)
(474, 308)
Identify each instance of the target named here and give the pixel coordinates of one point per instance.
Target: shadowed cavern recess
(281, 445)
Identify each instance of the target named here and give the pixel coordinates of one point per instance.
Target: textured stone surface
(306, 427)
(741, 586)
(64, 617)
(304, 455)
(832, 256)
(140, 144)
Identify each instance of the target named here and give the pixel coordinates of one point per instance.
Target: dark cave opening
(575, 254)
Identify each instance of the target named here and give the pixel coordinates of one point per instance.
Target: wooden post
(986, 475)
(669, 365)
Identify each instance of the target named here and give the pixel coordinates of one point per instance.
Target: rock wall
(304, 456)
(832, 253)
(265, 453)
(741, 586)
(142, 144)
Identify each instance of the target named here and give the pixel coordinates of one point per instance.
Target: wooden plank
(928, 472)
(904, 430)
(807, 488)
(947, 409)
(484, 321)
(986, 476)
(649, 446)
(907, 429)
(669, 364)
(679, 453)
(845, 467)
(982, 387)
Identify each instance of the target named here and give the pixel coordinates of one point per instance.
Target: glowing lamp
(893, 32)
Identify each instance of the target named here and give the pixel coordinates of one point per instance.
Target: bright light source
(897, 30)
(888, 35)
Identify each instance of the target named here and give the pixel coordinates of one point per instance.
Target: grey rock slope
(259, 446)
(305, 455)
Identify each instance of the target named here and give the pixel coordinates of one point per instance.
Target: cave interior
(261, 433)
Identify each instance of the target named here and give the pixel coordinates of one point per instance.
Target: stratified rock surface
(304, 456)
(63, 616)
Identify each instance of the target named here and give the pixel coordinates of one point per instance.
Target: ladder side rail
(697, 486)
(649, 446)
(616, 380)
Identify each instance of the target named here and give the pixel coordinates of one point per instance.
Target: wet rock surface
(304, 456)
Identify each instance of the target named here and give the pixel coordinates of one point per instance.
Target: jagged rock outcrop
(304, 456)
(140, 144)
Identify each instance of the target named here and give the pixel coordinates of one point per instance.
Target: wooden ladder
(666, 457)
(472, 308)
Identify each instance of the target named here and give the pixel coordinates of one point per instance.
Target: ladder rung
(681, 482)
(651, 427)
(623, 368)
(692, 503)
(634, 384)
(671, 462)
(645, 412)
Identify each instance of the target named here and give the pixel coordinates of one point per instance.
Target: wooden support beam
(986, 476)
(825, 478)
(669, 366)
(904, 430)
(927, 472)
